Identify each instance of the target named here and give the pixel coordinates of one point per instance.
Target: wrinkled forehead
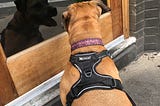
(83, 7)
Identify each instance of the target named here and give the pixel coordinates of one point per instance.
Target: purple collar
(86, 42)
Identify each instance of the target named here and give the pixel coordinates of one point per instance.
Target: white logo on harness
(84, 58)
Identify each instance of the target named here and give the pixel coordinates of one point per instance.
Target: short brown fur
(81, 22)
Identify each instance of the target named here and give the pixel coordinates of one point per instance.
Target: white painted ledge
(114, 43)
(122, 46)
(20, 101)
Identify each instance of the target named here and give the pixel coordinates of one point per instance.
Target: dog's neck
(18, 21)
(85, 29)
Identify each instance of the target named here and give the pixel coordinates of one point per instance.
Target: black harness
(2, 38)
(89, 79)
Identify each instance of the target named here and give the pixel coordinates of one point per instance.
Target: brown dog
(23, 30)
(81, 20)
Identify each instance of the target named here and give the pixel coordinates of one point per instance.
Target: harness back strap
(89, 79)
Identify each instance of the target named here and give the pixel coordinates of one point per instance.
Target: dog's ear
(66, 19)
(99, 11)
(21, 5)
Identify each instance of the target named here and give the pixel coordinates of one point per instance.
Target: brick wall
(145, 24)
(152, 20)
(136, 8)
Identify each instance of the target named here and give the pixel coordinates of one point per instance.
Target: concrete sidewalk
(141, 79)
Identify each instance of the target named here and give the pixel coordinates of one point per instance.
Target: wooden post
(109, 3)
(125, 8)
(116, 12)
(7, 89)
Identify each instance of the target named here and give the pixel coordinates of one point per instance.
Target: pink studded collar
(86, 42)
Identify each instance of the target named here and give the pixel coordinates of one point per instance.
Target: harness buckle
(114, 83)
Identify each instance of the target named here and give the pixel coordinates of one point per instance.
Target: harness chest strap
(89, 79)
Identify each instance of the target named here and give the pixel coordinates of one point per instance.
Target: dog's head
(37, 11)
(78, 11)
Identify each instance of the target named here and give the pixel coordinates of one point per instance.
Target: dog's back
(83, 27)
(13, 42)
